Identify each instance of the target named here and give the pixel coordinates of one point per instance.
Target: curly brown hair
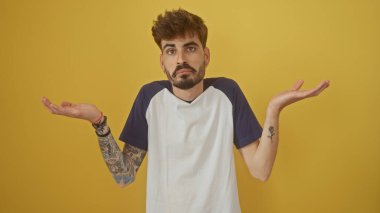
(178, 23)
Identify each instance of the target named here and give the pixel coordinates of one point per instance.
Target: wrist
(101, 128)
(98, 119)
(273, 110)
(103, 132)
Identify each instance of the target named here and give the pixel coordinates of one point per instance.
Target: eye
(191, 49)
(170, 51)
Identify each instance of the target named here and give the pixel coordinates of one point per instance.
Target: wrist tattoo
(271, 132)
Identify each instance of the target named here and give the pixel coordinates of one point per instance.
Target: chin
(187, 83)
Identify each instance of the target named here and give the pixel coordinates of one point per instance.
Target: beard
(186, 81)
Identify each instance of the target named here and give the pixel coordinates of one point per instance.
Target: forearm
(267, 149)
(114, 159)
(264, 153)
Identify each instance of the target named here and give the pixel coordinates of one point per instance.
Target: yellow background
(102, 52)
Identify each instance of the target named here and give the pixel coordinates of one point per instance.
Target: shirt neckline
(205, 89)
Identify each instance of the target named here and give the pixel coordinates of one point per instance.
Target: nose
(181, 57)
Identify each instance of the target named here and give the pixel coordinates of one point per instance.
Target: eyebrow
(168, 45)
(190, 43)
(185, 45)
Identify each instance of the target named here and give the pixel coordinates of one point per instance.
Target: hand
(82, 111)
(286, 98)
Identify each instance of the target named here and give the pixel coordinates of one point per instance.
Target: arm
(260, 156)
(123, 165)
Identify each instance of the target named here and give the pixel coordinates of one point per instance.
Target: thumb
(297, 85)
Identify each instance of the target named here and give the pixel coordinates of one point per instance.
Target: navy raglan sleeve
(135, 131)
(246, 127)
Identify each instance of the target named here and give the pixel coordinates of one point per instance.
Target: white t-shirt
(191, 165)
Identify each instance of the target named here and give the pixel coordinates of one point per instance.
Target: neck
(189, 94)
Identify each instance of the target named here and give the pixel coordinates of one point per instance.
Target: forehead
(181, 40)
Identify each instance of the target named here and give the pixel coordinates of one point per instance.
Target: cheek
(169, 64)
(197, 60)
(169, 69)
(197, 64)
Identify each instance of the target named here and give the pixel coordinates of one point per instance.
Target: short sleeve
(246, 127)
(135, 131)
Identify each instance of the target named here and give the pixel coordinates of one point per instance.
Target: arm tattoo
(122, 165)
(271, 131)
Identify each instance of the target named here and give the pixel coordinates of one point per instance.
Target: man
(189, 124)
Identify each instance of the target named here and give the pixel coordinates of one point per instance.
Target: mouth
(183, 71)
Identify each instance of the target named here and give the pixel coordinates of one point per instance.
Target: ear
(207, 55)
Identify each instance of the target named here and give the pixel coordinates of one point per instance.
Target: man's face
(184, 61)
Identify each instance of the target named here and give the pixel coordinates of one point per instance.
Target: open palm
(81, 110)
(295, 94)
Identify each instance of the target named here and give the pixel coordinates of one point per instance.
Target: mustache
(183, 66)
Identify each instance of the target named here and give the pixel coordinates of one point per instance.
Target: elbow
(124, 181)
(262, 176)
(123, 185)
(261, 170)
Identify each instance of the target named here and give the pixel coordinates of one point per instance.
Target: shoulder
(230, 88)
(151, 89)
(156, 86)
(222, 83)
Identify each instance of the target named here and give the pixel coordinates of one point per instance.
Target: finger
(323, 85)
(66, 103)
(316, 91)
(58, 109)
(46, 101)
(55, 109)
(47, 104)
(297, 85)
(327, 84)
